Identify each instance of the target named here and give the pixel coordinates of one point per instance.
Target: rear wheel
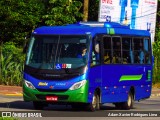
(129, 103)
(126, 105)
(95, 105)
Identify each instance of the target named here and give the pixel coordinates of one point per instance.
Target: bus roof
(92, 28)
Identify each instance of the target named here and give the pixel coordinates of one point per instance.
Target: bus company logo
(42, 84)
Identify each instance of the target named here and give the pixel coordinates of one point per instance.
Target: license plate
(51, 98)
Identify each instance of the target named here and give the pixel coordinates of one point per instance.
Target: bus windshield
(57, 51)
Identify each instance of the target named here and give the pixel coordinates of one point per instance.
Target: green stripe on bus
(130, 77)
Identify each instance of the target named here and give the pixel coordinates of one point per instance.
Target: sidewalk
(155, 92)
(17, 91)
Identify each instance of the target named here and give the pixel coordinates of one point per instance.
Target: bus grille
(52, 90)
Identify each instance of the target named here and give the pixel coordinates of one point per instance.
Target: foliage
(156, 52)
(8, 118)
(11, 64)
(93, 10)
(156, 49)
(18, 18)
(61, 12)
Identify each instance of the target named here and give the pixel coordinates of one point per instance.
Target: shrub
(156, 53)
(11, 64)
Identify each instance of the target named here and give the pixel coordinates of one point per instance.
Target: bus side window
(127, 50)
(138, 50)
(117, 58)
(147, 50)
(107, 50)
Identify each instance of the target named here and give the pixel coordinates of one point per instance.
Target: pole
(85, 10)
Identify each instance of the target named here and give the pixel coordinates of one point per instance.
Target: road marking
(17, 94)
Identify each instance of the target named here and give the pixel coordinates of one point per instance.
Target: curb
(18, 94)
(12, 94)
(11, 91)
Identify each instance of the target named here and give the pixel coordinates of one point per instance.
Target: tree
(156, 48)
(158, 15)
(85, 10)
(18, 18)
(61, 12)
(93, 10)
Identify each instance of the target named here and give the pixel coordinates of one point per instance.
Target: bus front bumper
(69, 96)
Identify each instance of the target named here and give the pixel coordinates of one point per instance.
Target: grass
(8, 118)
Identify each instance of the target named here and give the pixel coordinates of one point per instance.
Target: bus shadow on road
(16, 105)
(21, 105)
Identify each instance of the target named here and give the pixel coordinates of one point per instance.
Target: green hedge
(11, 64)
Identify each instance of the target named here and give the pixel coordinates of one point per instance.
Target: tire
(38, 105)
(129, 103)
(95, 105)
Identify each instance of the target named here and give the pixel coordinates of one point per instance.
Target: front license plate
(51, 98)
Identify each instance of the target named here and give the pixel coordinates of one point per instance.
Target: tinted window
(107, 50)
(127, 51)
(117, 56)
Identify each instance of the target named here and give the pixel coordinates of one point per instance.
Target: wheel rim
(94, 102)
(129, 102)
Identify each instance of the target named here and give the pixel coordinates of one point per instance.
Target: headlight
(29, 84)
(77, 85)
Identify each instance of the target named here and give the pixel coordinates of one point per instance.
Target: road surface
(16, 104)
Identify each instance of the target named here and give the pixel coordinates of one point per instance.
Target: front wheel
(95, 105)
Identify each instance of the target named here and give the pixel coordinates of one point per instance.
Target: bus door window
(96, 53)
(138, 50)
(107, 50)
(116, 50)
(127, 50)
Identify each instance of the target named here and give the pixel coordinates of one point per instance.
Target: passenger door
(95, 64)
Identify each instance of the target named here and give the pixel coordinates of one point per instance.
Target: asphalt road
(16, 104)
